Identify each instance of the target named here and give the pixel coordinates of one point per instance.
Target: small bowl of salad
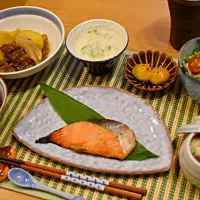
(189, 67)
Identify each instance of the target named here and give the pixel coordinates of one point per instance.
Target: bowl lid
(192, 127)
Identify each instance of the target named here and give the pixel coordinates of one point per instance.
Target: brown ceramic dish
(153, 59)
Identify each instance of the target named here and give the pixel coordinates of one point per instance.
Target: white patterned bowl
(100, 66)
(189, 165)
(39, 20)
(3, 94)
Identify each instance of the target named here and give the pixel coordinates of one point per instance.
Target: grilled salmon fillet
(106, 138)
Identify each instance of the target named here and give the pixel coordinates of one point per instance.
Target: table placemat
(173, 105)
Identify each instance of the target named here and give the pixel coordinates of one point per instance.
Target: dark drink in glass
(185, 21)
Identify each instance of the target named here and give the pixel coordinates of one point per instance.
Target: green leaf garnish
(141, 153)
(71, 110)
(68, 108)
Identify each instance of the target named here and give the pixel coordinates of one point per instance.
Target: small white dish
(189, 165)
(127, 108)
(36, 19)
(3, 94)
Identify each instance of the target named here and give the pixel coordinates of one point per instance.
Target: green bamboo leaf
(141, 153)
(71, 110)
(68, 108)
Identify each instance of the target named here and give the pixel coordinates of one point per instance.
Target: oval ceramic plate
(112, 104)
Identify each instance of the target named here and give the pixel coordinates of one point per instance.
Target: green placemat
(44, 195)
(173, 104)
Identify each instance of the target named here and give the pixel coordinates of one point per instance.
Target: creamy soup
(98, 44)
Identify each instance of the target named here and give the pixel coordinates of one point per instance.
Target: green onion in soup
(98, 44)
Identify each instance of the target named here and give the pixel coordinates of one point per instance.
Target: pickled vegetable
(141, 72)
(159, 75)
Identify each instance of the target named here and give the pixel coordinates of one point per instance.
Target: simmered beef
(15, 58)
(5, 67)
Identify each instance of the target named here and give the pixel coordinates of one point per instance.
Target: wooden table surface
(146, 21)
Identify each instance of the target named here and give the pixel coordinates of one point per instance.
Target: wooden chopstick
(109, 187)
(111, 183)
(65, 172)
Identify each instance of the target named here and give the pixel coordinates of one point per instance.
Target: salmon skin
(104, 137)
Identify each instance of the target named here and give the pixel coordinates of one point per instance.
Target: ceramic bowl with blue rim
(190, 83)
(97, 42)
(39, 20)
(3, 95)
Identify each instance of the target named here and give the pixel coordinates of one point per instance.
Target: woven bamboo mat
(173, 104)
